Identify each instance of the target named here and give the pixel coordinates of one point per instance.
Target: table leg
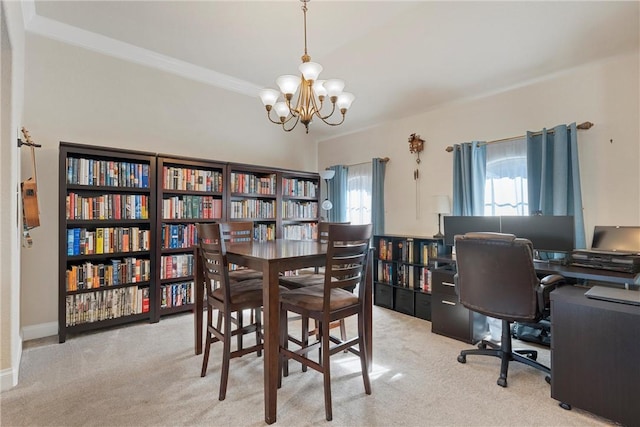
(271, 310)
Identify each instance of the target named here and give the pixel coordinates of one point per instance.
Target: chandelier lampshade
(311, 94)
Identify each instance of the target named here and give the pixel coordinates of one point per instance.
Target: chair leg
(305, 337)
(258, 323)
(284, 343)
(240, 326)
(226, 356)
(207, 344)
(343, 332)
(506, 353)
(362, 349)
(326, 370)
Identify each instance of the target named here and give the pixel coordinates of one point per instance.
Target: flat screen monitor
(547, 233)
(466, 224)
(616, 238)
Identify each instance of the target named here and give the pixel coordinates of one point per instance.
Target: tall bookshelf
(106, 240)
(253, 196)
(127, 227)
(403, 273)
(189, 191)
(299, 213)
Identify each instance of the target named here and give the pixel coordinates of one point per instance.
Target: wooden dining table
(272, 258)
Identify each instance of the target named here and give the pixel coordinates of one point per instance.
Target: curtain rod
(384, 160)
(581, 126)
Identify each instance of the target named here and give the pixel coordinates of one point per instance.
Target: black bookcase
(403, 273)
(107, 240)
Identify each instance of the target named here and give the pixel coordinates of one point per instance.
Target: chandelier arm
(292, 127)
(333, 110)
(271, 120)
(333, 124)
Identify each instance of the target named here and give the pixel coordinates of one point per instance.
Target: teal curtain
(338, 193)
(469, 172)
(377, 195)
(554, 175)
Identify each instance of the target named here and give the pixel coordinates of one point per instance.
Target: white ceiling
(399, 58)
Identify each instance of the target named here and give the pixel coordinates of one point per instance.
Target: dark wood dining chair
(316, 278)
(235, 232)
(229, 299)
(347, 251)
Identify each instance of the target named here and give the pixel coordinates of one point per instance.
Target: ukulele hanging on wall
(29, 190)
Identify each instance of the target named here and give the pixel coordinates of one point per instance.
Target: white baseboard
(9, 376)
(39, 331)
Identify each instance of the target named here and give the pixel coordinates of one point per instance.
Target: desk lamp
(442, 207)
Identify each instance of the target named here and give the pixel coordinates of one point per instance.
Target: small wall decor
(416, 146)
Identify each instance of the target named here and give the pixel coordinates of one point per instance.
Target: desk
(584, 273)
(595, 355)
(271, 258)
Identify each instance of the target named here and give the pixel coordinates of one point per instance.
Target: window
(505, 191)
(359, 185)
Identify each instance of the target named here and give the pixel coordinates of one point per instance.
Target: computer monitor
(616, 238)
(548, 233)
(465, 224)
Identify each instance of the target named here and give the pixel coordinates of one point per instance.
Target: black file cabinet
(448, 316)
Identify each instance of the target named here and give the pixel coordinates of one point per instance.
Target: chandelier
(311, 93)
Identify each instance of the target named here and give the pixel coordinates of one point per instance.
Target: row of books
(107, 173)
(177, 294)
(253, 208)
(106, 304)
(176, 236)
(295, 187)
(264, 232)
(407, 276)
(191, 207)
(407, 250)
(293, 209)
(107, 240)
(175, 266)
(107, 206)
(89, 275)
(252, 184)
(300, 231)
(175, 178)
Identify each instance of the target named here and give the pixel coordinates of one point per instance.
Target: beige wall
(605, 93)
(11, 89)
(80, 96)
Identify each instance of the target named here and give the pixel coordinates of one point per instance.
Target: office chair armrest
(547, 284)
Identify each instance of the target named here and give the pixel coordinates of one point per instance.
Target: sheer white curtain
(506, 179)
(359, 181)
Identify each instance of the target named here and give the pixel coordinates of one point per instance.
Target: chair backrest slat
(213, 258)
(347, 251)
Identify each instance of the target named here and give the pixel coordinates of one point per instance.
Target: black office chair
(496, 277)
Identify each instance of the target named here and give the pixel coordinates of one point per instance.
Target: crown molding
(75, 36)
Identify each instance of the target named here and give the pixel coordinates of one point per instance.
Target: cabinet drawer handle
(448, 302)
(448, 284)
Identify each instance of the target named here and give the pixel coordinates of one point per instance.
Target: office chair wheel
(547, 379)
(565, 406)
(502, 382)
(462, 358)
(482, 345)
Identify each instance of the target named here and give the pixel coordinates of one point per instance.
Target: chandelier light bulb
(288, 84)
(281, 110)
(334, 87)
(310, 70)
(318, 88)
(344, 100)
(269, 97)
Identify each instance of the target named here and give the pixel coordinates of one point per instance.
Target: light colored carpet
(147, 375)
